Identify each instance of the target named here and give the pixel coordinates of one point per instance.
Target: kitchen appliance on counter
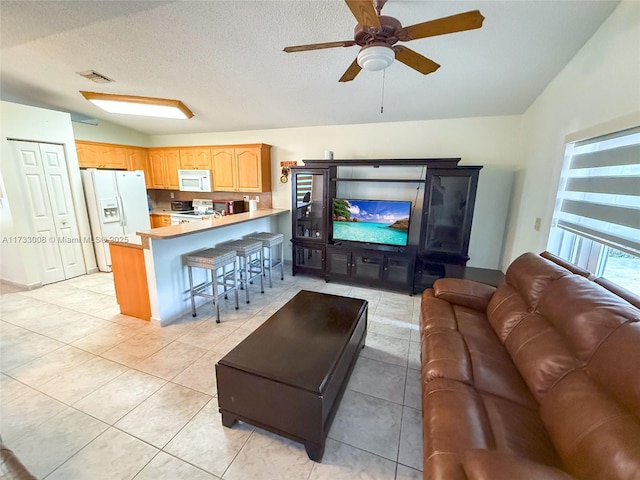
(181, 205)
(202, 209)
(228, 207)
(117, 206)
(194, 180)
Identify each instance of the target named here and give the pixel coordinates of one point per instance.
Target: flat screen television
(384, 222)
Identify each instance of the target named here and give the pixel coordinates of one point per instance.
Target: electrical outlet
(173, 195)
(536, 225)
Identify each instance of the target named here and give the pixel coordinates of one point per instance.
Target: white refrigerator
(117, 206)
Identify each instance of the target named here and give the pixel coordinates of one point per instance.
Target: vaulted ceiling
(224, 59)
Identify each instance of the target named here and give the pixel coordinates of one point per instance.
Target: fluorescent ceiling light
(145, 106)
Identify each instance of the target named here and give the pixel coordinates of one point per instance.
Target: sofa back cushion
(530, 274)
(506, 309)
(584, 313)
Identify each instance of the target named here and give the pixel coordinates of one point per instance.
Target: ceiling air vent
(95, 76)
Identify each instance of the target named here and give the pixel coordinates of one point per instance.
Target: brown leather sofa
(538, 378)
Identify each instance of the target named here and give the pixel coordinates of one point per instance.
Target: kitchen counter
(130, 240)
(205, 225)
(164, 249)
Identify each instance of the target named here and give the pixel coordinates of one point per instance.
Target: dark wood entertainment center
(444, 223)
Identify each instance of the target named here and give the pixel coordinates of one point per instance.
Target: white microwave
(194, 180)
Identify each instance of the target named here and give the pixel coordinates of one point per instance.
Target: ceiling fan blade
(352, 71)
(364, 12)
(415, 60)
(318, 46)
(442, 26)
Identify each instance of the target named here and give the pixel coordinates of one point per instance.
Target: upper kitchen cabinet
(137, 159)
(241, 168)
(164, 164)
(195, 158)
(98, 155)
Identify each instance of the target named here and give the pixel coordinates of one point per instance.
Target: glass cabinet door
(308, 259)
(448, 208)
(310, 195)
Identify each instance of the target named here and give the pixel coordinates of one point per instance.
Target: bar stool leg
(235, 283)
(214, 284)
(282, 260)
(245, 261)
(261, 271)
(270, 264)
(193, 302)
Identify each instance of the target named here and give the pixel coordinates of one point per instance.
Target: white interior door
(50, 208)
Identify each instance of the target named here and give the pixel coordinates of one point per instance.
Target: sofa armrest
(493, 465)
(466, 293)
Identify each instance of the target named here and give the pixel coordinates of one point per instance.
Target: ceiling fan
(378, 34)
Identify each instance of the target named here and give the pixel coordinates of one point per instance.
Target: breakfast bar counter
(164, 248)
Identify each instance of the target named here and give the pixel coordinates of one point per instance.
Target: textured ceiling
(224, 59)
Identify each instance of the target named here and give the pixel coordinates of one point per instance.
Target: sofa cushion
(454, 421)
(540, 353)
(493, 465)
(505, 310)
(615, 365)
(595, 436)
(584, 313)
(530, 274)
(464, 292)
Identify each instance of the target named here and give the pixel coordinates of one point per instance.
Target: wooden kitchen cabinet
(160, 221)
(164, 165)
(241, 168)
(195, 158)
(99, 155)
(137, 159)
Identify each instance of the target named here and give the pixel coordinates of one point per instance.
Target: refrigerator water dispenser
(110, 210)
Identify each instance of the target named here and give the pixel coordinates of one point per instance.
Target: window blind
(600, 195)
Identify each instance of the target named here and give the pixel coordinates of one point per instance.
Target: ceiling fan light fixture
(143, 106)
(376, 57)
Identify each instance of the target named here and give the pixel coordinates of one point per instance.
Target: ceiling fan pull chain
(382, 97)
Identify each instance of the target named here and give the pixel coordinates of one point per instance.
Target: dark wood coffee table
(289, 375)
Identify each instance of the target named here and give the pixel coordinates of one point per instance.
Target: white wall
(19, 263)
(487, 141)
(598, 89)
(108, 132)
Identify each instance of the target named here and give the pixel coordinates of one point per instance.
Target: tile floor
(87, 393)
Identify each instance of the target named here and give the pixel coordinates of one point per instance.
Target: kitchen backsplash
(162, 198)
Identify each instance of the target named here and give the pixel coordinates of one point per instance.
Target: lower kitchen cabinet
(381, 266)
(160, 221)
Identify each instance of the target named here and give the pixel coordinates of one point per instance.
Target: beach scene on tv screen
(371, 221)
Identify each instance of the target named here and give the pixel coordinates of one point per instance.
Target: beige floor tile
(136, 348)
(205, 443)
(118, 397)
(270, 457)
(82, 380)
(406, 473)
(201, 375)
(386, 349)
(344, 462)
(410, 453)
(166, 467)
(170, 360)
(10, 389)
(27, 411)
(379, 379)
(414, 356)
(16, 302)
(50, 444)
(392, 326)
(163, 414)
(206, 338)
(368, 423)
(413, 389)
(19, 346)
(53, 364)
(76, 326)
(107, 337)
(112, 455)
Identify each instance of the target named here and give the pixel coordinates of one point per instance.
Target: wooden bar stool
(222, 263)
(270, 240)
(250, 261)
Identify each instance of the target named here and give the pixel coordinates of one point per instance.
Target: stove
(202, 210)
